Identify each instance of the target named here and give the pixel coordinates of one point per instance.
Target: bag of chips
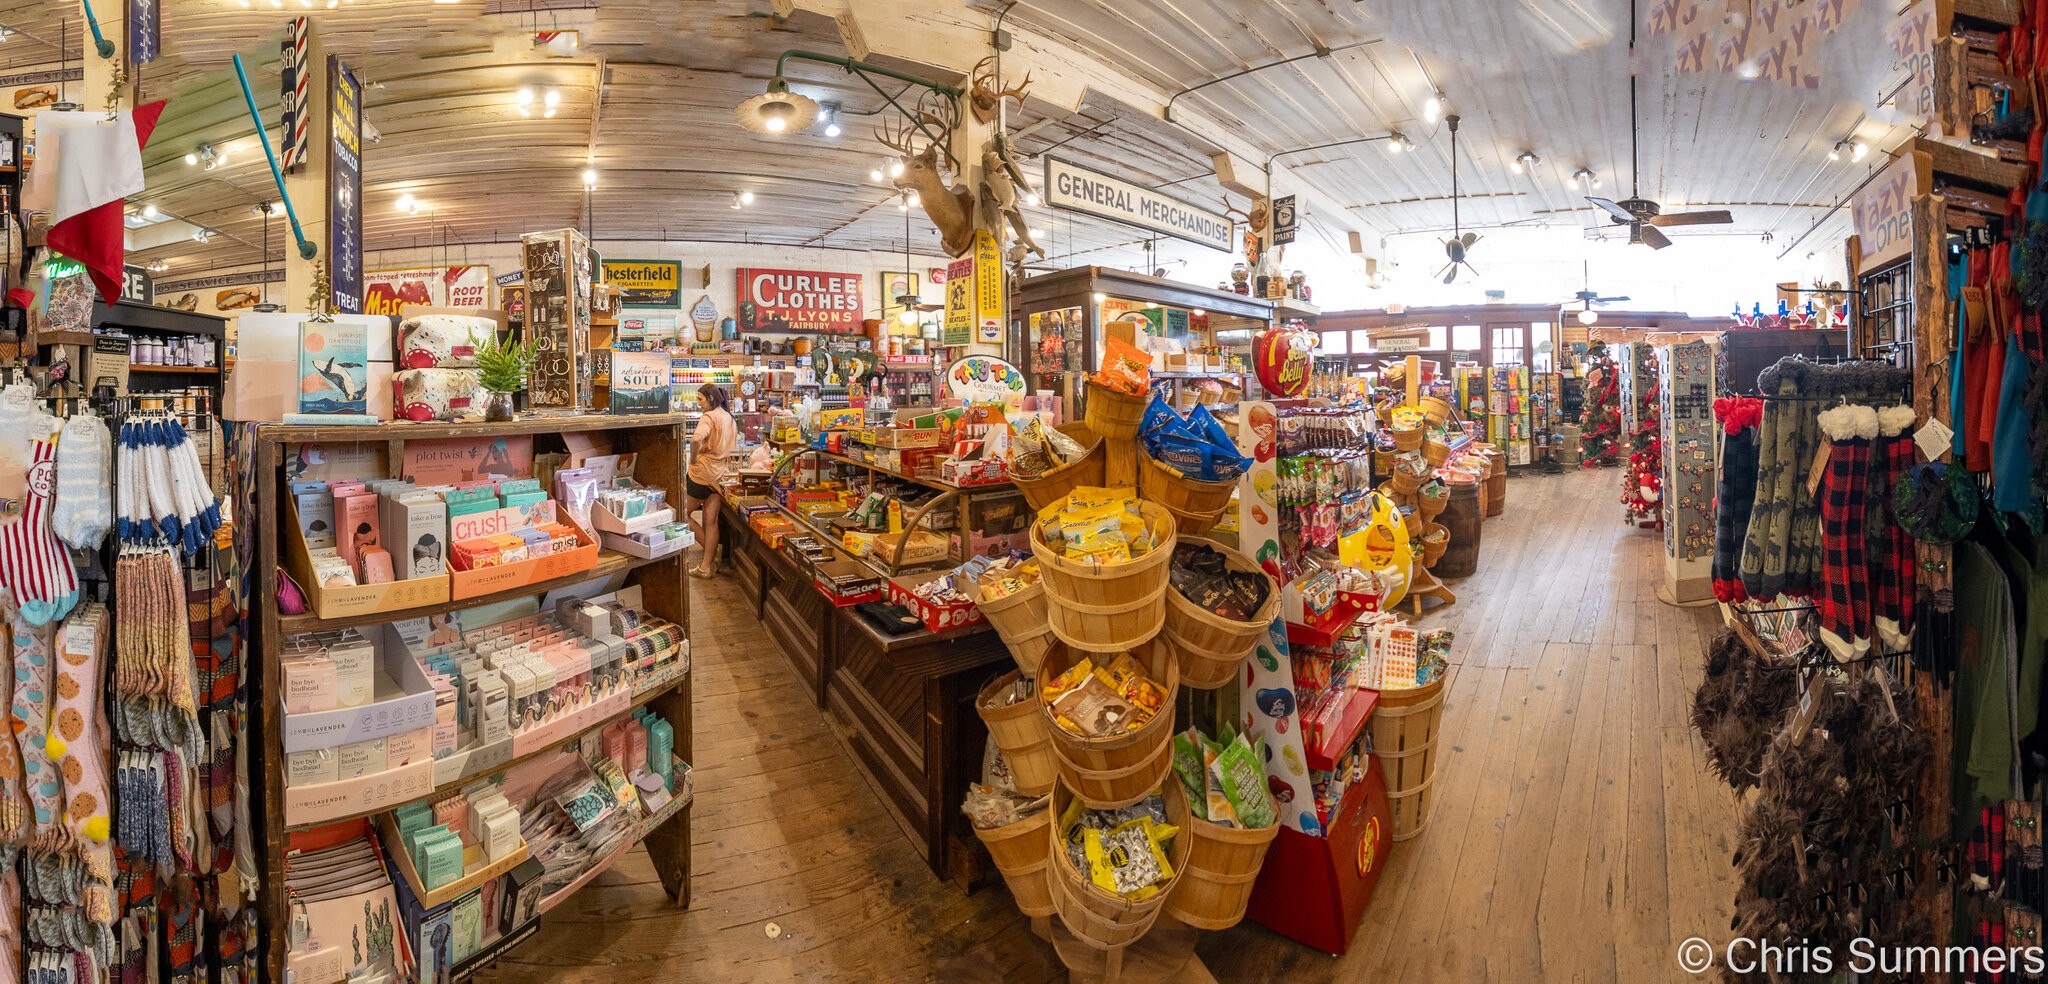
(1243, 777)
(1126, 368)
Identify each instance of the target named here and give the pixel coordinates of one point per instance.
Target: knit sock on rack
(30, 716)
(34, 565)
(1845, 599)
(1739, 417)
(1892, 570)
(14, 808)
(84, 508)
(78, 744)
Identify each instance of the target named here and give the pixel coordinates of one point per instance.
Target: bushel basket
(1196, 504)
(1020, 621)
(1098, 918)
(1019, 731)
(1108, 608)
(1054, 485)
(1119, 769)
(1021, 852)
(1216, 883)
(1211, 648)
(1404, 732)
(1111, 414)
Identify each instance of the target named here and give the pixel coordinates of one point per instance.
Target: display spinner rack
(659, 441)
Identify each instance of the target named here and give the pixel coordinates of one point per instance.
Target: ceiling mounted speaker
(778, 110)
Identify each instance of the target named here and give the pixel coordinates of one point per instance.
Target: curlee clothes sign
(387, 291)
(800, 301)
(646, 283)
(1077, 189)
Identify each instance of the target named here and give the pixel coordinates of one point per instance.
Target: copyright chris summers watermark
(1861, 956)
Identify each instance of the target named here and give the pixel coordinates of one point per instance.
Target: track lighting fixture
(1434, 107)
(828, 114)
(1398, 142)
(1584, 178)
(738, 201)
(202, 234)
(1525, 162)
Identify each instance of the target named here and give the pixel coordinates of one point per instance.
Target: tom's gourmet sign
(799, 300)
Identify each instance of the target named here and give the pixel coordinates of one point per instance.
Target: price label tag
(1935, 439)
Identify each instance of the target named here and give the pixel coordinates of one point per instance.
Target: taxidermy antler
(949, 206)
(985, 92)
(1000, 179)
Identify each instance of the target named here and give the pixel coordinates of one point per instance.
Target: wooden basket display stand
(1111, 414)
(1108, 608)
(1436, 537)
(1054, 485)
(1196, 504)
(1020, 621)
(1407, 439)
(1404, 730)
(1021, 851)
(1216, 884)
(1019, 730)
(1096, 918)
(1402, 482)
(1211, 648)
(1116, 770)
(1432, 506)
(1435, 452)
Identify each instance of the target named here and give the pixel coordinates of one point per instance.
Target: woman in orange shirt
(710, 453)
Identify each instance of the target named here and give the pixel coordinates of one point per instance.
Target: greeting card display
(334, 373)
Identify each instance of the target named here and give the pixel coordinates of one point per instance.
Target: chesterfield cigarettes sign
(1078, 189)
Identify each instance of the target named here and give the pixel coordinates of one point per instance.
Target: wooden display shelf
(641, 828)
(177, 370)
(640, 699)
(609, 562)
(394, 845)
(661, 443)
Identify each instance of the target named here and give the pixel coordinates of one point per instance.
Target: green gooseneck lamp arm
(864, 70)
(306, 249)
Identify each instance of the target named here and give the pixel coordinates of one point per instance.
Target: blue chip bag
(1159, 419)
(1205, 424)
(1186, 455)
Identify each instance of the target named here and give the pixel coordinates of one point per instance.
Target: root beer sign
(799, 300)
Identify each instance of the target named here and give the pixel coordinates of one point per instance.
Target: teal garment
(2012, 465)
(1958, 273)
(1986, 749)
(2028, 579)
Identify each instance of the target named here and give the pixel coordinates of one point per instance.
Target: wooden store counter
(904, 703)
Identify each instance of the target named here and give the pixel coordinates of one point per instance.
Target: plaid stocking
(1893, 567)
(1845, 605)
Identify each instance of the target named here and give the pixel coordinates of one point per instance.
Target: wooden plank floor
(1575, 835)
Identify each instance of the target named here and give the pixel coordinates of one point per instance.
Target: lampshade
(778, 110)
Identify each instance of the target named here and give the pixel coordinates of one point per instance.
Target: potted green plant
(502, 370)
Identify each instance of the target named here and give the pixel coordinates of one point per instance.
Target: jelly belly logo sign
(800, 301)
(1368, 847)
(1283, 367)
(386, 291)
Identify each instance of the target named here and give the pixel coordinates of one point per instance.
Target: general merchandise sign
(799, 301)
(1078, 189)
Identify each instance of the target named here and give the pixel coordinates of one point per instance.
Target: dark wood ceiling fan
(1642, 216)
(1459, 245)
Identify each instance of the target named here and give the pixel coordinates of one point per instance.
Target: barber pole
(295, 79)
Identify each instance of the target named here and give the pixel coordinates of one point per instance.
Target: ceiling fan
(1587, 297)
(1642, 216)
(911, 304)
(1460, 244)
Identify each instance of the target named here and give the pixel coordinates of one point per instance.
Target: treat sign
(983, 379)
(1282, 366)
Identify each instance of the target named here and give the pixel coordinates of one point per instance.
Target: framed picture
(895, 284)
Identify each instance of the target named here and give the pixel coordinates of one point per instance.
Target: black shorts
(696, 491)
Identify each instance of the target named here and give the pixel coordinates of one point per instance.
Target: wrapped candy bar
(1036, 449)
(1202, 575)
(1123, 852)
(1093, 701)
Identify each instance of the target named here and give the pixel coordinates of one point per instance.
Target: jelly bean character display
(1276, 702)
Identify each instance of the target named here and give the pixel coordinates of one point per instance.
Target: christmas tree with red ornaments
(1642, 479)
(1600, 424)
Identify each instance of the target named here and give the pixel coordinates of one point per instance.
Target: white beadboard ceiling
(647, 101)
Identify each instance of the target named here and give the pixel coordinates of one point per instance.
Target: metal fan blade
(1450, 273)
(1620, 214)
(1469, 238)
(1713, 217)
(1654, 239)
(1609, 300)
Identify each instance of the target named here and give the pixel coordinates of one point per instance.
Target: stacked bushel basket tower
(1079, 609)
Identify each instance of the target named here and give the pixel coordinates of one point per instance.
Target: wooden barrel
(1216, 883)
(1111, 414)
(1461, 516)
(1211, 648)
(1098, 918)
(1020, 621)
(1196, 505)
(1054, 485)
(1117, 770)
(1497, 491)
(1021, 851)
(1404, 732)
(1019, 730)
(1108, 608)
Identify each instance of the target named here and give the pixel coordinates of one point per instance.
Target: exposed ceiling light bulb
(774, 122)
(1394, 141)
(1525, 161)
(1835, 152)
(902, 205)
(914, 200)
(192, 159)
(1100, 297)
(832, 129)
(552, 98)
(1585, 177)
(548, 114)
(908, 316)
(405, 200)
(1433, 108)
(1587, 316)
(896, 168)
(525, 96)
(1031, 198)
(1859, 150)
(1038, 233)
(589, 178)
(875, 175)
(150, 211)
(746, 198)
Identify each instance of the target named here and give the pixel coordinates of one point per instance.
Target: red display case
(1314, 889)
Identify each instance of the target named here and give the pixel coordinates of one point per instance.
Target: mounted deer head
(950, 206)
(985, 90)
